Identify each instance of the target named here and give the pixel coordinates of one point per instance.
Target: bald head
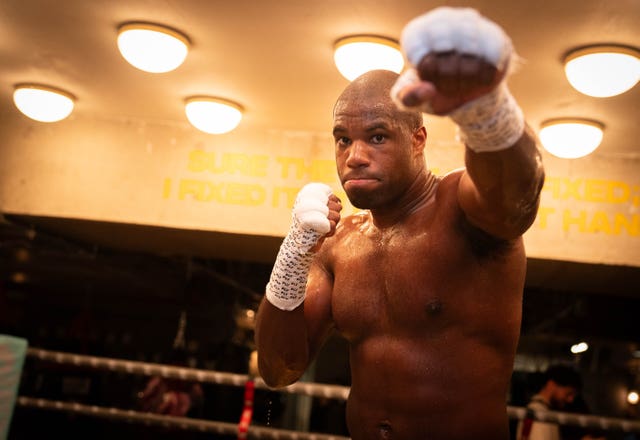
(374, 88)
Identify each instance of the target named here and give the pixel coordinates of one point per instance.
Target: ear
(419, 138)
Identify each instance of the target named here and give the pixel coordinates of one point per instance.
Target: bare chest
(403, 282)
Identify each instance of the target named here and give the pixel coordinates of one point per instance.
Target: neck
(418, 195)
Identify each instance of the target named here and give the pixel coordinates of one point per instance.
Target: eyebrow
(338, 129)
(377, 125)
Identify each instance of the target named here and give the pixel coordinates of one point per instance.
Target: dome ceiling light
(213, 115)
(151, 47)
(571, 138)
(43, 103)
(603, 71)
(359, 54)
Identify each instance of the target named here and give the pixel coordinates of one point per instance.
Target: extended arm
(460, 60)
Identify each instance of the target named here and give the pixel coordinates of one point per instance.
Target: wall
(169, 174)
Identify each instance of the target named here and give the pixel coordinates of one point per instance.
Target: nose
(358, 155)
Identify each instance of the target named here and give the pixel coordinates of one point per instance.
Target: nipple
(434, 308)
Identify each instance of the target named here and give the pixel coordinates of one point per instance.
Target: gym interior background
(111, 228)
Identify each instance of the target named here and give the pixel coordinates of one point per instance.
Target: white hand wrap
(492, 122)
(463, 30)
(288, 281)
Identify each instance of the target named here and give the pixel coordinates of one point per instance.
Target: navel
(386, 433)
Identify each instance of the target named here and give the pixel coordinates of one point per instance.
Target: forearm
(502, 188)
(281, 332)
(282, 343)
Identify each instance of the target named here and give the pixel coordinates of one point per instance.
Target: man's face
(562, 396)
(375, 157)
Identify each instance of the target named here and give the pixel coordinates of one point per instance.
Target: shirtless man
(426, 283)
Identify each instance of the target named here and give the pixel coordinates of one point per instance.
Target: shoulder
(348, 232)
(537, 406)
(447, 191)
(450, 181)
(481, 243)
(538, 403)
(353, 223)
(454, 174)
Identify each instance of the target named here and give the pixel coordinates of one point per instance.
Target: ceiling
(275, 59)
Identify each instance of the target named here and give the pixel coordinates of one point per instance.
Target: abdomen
(445, 388)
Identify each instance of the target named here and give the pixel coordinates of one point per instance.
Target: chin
(363, 200)
(359, 200)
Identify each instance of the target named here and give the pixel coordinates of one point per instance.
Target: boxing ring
(243, 429)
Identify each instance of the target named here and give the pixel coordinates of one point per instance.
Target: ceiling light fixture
(633, 397)
(604, 70)
(359, 54)
(571, 138)
(213, 115)
(43, 103)
(151, 47)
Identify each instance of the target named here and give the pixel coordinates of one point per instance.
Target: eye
(378, 138)
(343, 141)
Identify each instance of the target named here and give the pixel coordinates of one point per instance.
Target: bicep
(479, 206)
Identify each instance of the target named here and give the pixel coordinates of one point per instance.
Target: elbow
(516, 220)
(528, 208)
(276, 382)
(281, 368)
(282, 375)
(283, 354)
(508, 221)
(521, 211)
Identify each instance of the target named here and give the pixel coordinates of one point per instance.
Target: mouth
(359, 182)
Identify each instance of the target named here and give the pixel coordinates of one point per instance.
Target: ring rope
(305, 388)
(185, 423)
(193, 374)
(574, 419)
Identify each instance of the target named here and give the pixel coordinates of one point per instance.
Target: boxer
(425, 283)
